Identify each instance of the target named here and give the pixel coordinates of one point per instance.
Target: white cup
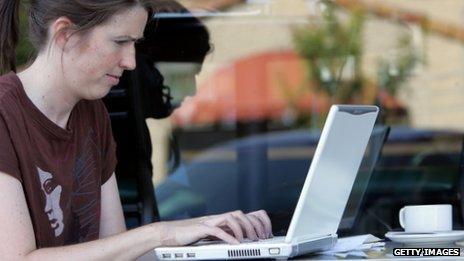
(426, 218)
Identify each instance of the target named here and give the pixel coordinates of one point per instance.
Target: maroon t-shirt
(61, 170)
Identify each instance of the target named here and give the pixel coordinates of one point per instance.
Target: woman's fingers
(259, 227)
(265, 220)
(234, 225)
(225, 221)
(217, 232)
(246, 224)
(255, 225)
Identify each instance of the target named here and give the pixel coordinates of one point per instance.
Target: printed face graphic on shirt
(52, 208)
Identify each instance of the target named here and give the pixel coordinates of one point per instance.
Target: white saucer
(426, 238)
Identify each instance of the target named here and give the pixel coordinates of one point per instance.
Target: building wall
(434, 96)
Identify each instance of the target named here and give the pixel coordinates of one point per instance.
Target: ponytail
(9, 34)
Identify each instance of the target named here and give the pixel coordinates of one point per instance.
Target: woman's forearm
(137, 242)
(124, 246)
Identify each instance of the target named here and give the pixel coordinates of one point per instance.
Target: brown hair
(181, 37)
(85, 14)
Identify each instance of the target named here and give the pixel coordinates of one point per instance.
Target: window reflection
(246, 137)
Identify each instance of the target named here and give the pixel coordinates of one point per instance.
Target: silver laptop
(322, 200)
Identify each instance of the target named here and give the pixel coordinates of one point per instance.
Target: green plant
(333, 52)
(25, 50)
(394, 71)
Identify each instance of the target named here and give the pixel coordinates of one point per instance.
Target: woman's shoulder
(8, 83)
(9, 96)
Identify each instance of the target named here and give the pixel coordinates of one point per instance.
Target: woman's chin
(97, 93)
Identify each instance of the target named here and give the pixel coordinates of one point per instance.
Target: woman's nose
(128, 58)
(48, 207)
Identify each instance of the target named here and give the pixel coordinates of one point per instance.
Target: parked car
(267, 171)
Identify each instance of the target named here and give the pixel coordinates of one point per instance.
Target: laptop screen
(356, 199)
(334, 168)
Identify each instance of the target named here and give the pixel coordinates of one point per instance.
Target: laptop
(328, 184)
(355, 205)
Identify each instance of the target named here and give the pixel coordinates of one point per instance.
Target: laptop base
(276, 249)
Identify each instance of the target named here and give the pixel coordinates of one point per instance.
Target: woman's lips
(114, 80)
(54, 223)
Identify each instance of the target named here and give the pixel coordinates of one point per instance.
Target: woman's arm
(17, 235)
(111, 216)
(18, 240)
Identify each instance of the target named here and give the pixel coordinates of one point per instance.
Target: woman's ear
(61, 31)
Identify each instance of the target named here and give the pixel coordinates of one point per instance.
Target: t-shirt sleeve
(108, 145)
(8, 160)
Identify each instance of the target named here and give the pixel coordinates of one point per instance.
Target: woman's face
(92, 63)
(52, 192)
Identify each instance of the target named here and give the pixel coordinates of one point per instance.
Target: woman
(57, 154)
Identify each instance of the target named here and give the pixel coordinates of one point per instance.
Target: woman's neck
(45, 87)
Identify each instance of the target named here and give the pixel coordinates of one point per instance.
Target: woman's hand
(232, 227)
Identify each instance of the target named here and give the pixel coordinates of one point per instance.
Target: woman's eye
(120, 42)
(49, 186)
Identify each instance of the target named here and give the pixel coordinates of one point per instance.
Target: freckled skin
(89, 58)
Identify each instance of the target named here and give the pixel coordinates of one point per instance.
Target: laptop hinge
(311, 237)
(314, 244)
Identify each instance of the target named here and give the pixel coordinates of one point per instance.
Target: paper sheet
(355, 245)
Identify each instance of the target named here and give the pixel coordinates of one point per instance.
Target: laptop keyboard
(268, 240)
(245, 241)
